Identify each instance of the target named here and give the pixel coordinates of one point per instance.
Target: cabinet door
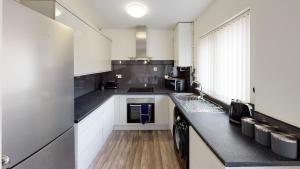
(122, 110)
(108, 117)
(183, 44)
(171, 114)
(92, 50)
(111, 107)
(116, 110)
(162, 109)
(107, 54)
(176, 46)
(88, 138)
(201, 157)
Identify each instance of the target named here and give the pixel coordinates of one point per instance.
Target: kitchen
(149, 84)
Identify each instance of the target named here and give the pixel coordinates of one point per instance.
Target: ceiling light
(136, 9)
(141, 35)
(57, 12)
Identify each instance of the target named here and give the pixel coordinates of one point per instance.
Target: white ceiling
(161, 14)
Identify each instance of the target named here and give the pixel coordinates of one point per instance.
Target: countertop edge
(93, 109)
(226, 164)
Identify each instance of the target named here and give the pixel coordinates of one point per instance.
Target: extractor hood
(141, 43)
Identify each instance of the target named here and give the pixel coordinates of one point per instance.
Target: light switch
(155, 69)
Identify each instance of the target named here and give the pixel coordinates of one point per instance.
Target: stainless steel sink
(187, 96)
(196, 104)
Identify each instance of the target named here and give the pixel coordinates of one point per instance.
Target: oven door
(136, 110)
(133, 113)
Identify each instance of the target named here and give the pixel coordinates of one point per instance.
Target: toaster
(238, 110)
(111, 85)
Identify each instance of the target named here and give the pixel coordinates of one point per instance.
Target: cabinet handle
(5, 160)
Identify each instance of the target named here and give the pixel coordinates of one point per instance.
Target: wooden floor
(137, 150)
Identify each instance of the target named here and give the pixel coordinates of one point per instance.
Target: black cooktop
(141, 90)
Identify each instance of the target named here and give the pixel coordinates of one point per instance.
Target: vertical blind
(223, 60)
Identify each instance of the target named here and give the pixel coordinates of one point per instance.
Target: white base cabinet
(92, 132)
(161, 113)
(171, 114)
(201, 157)
(162, 109)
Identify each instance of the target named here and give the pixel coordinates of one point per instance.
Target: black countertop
(222, 137)
(227, 142)
(86, 104)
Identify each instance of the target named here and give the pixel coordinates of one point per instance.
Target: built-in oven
(181, 138)
(140, 110)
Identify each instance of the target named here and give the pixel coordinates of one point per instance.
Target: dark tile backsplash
(88, 83)
(140, 73)
(134, 73)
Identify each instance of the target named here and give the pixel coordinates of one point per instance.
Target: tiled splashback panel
(88, 83)
(134, 73)
(140, 73)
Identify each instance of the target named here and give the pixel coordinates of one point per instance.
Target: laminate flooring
(137, 150)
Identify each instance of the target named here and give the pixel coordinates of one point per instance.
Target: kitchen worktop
(227, 142)
(223, 138)
(86, 104)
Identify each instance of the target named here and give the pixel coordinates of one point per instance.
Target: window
(223, 60)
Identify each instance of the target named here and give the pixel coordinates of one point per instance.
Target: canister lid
(284, 137)
(249, 120)
(263, 127)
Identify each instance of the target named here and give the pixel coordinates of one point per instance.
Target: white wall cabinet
(92, 50)
(159, 43)
(171, 114)
(92, 132)
(183, 44)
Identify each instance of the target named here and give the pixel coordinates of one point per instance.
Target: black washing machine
(181, 138)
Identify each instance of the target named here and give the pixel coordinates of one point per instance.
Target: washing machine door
(176, 137)
(179, 139)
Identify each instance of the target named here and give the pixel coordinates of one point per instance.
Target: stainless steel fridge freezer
(37, 90)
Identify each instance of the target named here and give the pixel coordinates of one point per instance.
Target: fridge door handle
(5, 160)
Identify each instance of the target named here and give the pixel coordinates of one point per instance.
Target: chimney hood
(141, 43)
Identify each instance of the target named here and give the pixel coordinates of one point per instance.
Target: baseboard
(142, 127)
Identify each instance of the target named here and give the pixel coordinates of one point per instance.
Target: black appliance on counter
(111, 85)
(176, 84)
(141, 90)
(181, 138)
(238, 110)
(140, 110)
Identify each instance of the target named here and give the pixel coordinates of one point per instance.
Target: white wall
(159, 43)
(275, 44)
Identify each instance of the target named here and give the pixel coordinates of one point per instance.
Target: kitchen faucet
(198, 87)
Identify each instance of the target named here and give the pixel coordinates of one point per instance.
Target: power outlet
(155, 69)
(119, 76)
